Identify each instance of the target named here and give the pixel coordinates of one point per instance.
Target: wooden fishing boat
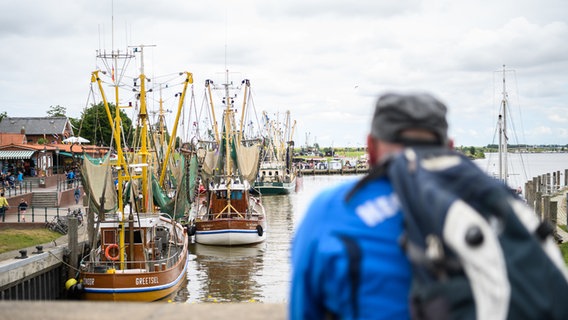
(227, 214)
(276, 174)
(139, 247)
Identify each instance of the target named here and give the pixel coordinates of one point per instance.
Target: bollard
(23, 254)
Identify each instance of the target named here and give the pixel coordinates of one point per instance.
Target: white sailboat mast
(503, 139)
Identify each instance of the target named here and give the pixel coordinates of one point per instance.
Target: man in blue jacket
(347, 262)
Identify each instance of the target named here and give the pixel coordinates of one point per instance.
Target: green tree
(3, 115)
(94, 125)
(472, 151)
(56, 111)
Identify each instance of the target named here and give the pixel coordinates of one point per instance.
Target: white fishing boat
(276, 174)
(227, 213)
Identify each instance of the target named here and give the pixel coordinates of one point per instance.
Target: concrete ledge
(15, 270)
(71, 310)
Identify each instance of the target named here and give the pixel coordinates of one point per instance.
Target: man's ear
(372, 150)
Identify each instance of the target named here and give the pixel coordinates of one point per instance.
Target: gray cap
(395, 112)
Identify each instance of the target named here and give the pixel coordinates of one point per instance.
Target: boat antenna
(112, 26)
(226, 35)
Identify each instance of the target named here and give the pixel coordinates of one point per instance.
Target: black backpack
(477, 250)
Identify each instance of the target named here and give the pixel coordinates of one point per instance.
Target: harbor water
(523, 167)
(261, 273)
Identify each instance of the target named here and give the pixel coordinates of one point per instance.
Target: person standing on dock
(77, 194)
(22, 208)
(347, 262)
(4, 205)
(70, 178)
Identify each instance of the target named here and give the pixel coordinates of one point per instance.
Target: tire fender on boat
(108, 254)
(259, 230)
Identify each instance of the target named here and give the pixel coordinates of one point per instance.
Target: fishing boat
(138, 243)
(228, 214)
(276, 174)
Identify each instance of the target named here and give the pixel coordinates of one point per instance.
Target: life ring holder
(108, 254)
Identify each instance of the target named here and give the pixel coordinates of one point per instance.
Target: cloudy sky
(325, 61)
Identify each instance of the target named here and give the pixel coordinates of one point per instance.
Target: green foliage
(94, 124)
(3, 115)
(56, 111)
(472, 150)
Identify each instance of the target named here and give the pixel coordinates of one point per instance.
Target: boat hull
(273, 188)
(230, 232)
(145, 281)
(115, 285)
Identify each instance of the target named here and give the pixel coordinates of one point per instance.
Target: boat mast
(143, 116)
(208, 84)
(228, 136)
(503, 139)
(188, 80)
(246, 83)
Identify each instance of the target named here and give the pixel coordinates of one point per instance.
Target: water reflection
(225, 274)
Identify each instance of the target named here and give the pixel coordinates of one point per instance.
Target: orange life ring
(108, 253)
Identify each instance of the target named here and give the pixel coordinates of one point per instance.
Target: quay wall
(32, 274)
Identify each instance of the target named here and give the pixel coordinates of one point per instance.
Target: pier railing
(345, 170)
(547, 194)
(37, 214)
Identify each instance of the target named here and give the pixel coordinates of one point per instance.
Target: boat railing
(149, 265)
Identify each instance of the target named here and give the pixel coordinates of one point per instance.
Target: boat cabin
(224, 206)
(144, 242)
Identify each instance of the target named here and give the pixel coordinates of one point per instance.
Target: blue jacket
(323, 272)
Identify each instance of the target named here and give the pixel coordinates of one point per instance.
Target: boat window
(137, 237)
(237, 195)
(109, 236)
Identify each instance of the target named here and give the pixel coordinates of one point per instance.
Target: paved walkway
(63, 310)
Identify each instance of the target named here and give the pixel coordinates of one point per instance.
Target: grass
(564, 250)
(14, 239)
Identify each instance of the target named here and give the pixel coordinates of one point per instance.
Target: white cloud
(325, 61)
